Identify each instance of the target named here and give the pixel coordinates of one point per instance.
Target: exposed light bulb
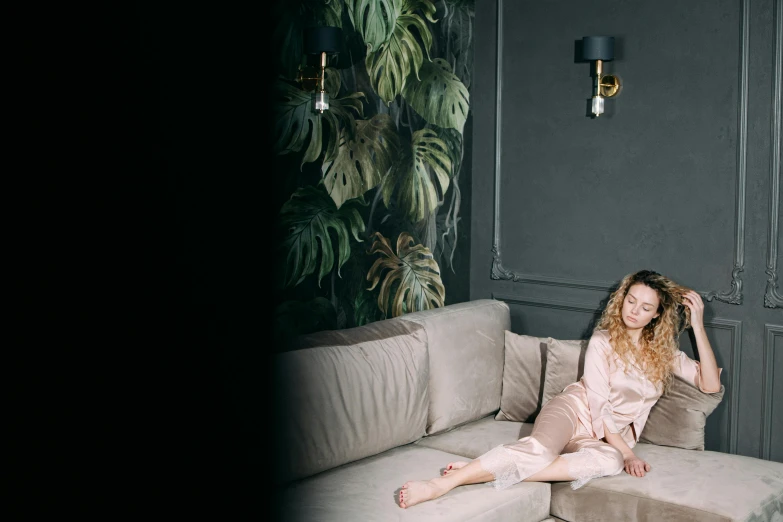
(321, 101)
(598, 105)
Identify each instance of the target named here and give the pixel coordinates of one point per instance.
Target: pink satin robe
(571, 425)
(619, 398)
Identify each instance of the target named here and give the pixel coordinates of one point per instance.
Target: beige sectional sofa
(360, 411)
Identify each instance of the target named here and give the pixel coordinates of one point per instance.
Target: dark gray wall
(681, 175)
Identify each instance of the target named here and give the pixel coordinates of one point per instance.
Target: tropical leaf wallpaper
(369, 201)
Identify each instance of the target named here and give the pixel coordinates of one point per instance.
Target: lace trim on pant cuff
(583, 467)
(502, 465)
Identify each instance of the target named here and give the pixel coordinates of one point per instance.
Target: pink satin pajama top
(621, 399)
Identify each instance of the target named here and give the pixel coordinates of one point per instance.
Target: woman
(590, 428)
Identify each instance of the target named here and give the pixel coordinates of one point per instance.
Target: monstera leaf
(307, 219)
(327, 12)
(413, 281)
(440, 97)
(401, 55)
(418, 195)
(340, 116)
(374, 19)
(361, 163)
(454, 144)
(447, 222)
(297, 126)
(365, 308)
(428, 6)
(457, 26)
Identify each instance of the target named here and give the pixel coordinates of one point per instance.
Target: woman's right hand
(636, 466)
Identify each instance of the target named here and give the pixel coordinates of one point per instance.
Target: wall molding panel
(734, 295)
(570, 306)
(772, 299)
(768, 377)
(735, 356)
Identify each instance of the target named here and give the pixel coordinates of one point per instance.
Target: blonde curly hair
(660, 337)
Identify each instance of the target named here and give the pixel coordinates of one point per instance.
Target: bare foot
(453, 466)
(416, 491)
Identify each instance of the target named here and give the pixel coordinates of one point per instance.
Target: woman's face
(640, 306)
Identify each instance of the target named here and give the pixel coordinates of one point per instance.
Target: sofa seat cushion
(478, 437)
(367, 491)
(684, 485)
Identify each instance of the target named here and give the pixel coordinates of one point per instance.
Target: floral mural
(369, 200)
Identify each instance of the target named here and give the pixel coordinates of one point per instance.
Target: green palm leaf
(298, 127)
(418, 195)
(440, 97)
(307, 219)
(413, 281)
(340, 116)
(328, 12)
(399, 57)
(361, 162)
(366, 308)
(374, 20)
(409, 6)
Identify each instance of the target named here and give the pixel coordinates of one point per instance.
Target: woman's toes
(404, 495)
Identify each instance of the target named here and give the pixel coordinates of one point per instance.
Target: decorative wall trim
(571, 306)
(498, 272)
(767, 381)
(735, 327)
(733, 296)
(772, 299)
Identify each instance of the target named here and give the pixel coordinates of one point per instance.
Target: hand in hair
(693, 301)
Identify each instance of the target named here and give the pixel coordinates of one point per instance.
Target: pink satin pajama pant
(560, 429)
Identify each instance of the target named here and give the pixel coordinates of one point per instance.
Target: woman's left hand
(692, 300)
(636, 466)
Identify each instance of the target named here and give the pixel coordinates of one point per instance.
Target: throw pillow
(679, 416)
(565, 363)
(520, 398)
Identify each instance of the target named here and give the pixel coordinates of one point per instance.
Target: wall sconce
(601, 49)
(320, 42)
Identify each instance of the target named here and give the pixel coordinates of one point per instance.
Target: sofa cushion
(565, 363)
(478, 437)
(679, 416)
(367, 490)
(683, 486)
(523, 379)
(349, 395)
(465, 342)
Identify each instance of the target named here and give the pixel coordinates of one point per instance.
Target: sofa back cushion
(349, 394)
(565, 364)
(679, 417)
(523, 377)
(465, 343)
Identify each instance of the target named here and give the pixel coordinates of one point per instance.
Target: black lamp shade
(598, 48)
(322, 39)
